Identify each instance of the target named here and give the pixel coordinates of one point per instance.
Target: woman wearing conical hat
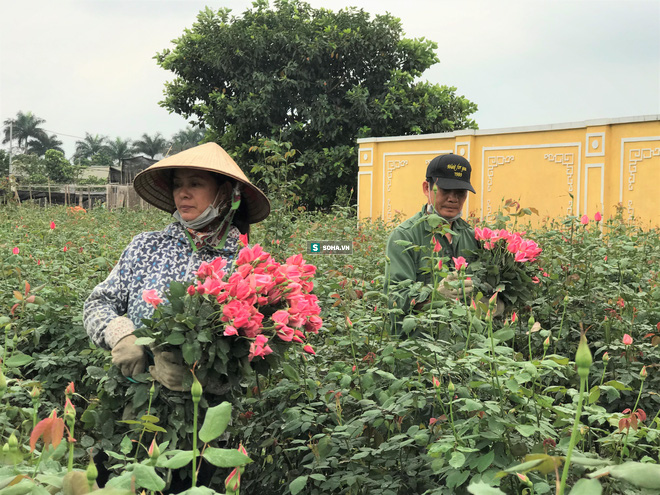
(212, 202)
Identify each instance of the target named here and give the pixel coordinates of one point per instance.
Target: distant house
(128, 169)
(97, 172)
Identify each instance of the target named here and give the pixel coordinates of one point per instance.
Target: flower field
(557, 395)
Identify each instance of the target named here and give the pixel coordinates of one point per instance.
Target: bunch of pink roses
(523, 250)
(258, 285)
(505, 264)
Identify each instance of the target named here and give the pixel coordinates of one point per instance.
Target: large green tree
(44, 143)
(90, 146)
(59, 169)
(151, 146)
(316, 78)
(186, 138)
(119, 149)
(23, 128)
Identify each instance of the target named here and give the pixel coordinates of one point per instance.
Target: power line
(62, 134)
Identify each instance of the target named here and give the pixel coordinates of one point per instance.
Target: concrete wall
(573, 168)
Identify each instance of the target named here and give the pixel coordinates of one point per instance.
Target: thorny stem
(625, 441)
(574, 434)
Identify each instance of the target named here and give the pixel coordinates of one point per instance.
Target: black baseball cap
(450, 172)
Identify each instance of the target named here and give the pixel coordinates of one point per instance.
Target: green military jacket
(410, 264)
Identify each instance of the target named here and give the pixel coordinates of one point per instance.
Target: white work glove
(128, 357)
(445, 286)
(169, 371)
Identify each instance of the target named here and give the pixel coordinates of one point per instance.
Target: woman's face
(193, 191)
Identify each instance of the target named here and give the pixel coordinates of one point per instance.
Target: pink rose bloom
(627, 339)
(229, 331)
(15, 250)
(460, 263)
(308, 349)
(598, 217)
(584, 220)
(151, 297)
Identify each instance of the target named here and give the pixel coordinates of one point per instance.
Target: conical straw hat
(153, 183)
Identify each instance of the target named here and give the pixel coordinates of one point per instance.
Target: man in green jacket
(445, 188)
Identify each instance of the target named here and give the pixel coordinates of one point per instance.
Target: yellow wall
(600, 163)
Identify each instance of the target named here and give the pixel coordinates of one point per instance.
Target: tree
(187, 138)
(23, 128)
(151, 146)
(119, 149)
(58, 168)
(44, 143)
(90, 146)
(313, 77)
(4, 163)
(30, 168)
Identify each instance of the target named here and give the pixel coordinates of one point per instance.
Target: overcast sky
(87, 65)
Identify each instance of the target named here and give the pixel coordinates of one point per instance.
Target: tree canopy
(313, 77)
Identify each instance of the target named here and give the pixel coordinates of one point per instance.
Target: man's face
(447, 202)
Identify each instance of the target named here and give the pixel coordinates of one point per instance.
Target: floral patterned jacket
(151, 261)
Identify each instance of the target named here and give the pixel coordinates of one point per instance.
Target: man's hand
(446, 290)
(128, 357)
(169, 371)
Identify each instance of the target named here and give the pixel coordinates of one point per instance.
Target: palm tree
(23, 128)
(90, 146)
(119, 149)
(150, 146)
(40, 145)
(187, 138)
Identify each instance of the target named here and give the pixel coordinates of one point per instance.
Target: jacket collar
(456, 225)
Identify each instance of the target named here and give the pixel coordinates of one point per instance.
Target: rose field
(302, 388)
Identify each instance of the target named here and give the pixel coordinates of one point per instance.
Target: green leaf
(586, 487)
(594, 394)
(520, 468)
(225, 457)
(298, 484)
(146, 477)
(642, 475)
(215, 422)
(18, 359)
(177, 289)
(504, 334)
(144, 341)
(290, 372)
(526, 430)
(617, 385)
(178, 460)
(485, 461)
(482, 488)
(176, 338)
(126, 445)
(457, 459)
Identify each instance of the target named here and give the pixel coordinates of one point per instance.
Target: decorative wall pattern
(393, 165)
(496, 161)
(522, 164)
(635, 156)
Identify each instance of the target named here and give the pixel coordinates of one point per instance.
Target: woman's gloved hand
(128, 357)
(446, 290)
(169, 371)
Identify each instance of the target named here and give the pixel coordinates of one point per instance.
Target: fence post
(89, 198)
(50, 198)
